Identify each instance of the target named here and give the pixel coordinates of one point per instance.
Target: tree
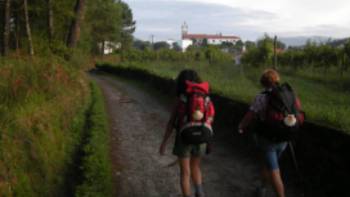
(176, 47)
(141, 45)
(100, 29)
(346, 58)
(347, 48)
(74, 31)
(239, 45)
(265, 48)
(204, 42)
(160, 45)
(232, 47)
(50, 25)
(59, 25)
(226, 44)
(6, 27)
(28, 30)
(128, 25)
(249, 45)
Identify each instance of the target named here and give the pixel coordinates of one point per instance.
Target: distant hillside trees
(142, 45)
(233, 48)
(161, 45)
(312, 55)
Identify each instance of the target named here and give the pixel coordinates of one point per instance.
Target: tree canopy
(53, 25)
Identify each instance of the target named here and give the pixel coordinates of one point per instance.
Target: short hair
(186, 75)
(269, 78)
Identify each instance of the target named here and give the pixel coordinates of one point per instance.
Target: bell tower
(184, 29)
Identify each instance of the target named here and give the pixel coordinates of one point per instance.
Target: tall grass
(42, 104)
(325, 100)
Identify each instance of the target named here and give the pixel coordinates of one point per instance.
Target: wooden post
(152, 42)
(275, 53)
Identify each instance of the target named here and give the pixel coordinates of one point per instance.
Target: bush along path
(137, 121)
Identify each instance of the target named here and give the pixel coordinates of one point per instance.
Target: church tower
(184, 29)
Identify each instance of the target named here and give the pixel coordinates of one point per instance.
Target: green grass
(96, 164)
(42, 115)
(325, 99)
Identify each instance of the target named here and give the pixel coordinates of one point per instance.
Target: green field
(325, 98)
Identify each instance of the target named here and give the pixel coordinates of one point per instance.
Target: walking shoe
(198, 191)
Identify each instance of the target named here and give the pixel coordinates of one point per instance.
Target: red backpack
(195, 114)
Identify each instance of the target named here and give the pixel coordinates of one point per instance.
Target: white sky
(296, 14)
(246, 18)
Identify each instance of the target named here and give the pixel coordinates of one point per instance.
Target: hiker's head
(186, 75)
(269, 78)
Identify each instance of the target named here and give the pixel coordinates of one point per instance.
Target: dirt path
(137, 123)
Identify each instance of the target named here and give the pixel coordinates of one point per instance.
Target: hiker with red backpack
(191, 118)
(276, 113)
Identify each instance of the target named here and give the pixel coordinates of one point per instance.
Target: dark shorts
(270, 152)
(183, 150)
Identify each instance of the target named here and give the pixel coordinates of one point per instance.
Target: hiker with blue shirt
(276, 113)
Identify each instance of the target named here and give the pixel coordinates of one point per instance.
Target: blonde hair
(270, 77)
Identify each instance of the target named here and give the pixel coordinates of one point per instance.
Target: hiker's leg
(185, 176)
(196, 170)
(196, 175)
(265, 176)
(272, 157)
(265, 172)
(277, 182)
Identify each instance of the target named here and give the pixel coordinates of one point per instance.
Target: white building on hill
(216, 39)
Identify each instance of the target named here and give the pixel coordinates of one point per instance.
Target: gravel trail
(137, 122)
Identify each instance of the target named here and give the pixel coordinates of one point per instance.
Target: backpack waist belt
(197, 124)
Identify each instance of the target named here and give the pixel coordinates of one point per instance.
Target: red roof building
(197, 39)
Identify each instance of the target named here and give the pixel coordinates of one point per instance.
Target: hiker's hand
(162, 149)
(240, 130)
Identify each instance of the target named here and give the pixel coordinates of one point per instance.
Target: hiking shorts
(271, 152)
(183, 150)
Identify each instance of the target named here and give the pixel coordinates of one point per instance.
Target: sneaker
(260, 192)
(198, 191)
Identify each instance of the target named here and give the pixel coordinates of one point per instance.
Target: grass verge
(42, 113)
(96, 164)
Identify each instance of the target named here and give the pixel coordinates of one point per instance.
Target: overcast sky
(248, 19)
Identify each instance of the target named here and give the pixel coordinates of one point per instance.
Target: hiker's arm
(169, 130)
(247, 119)
(254, 109)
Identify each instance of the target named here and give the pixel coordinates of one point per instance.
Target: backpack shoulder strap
(288, 97)
(286, 85)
